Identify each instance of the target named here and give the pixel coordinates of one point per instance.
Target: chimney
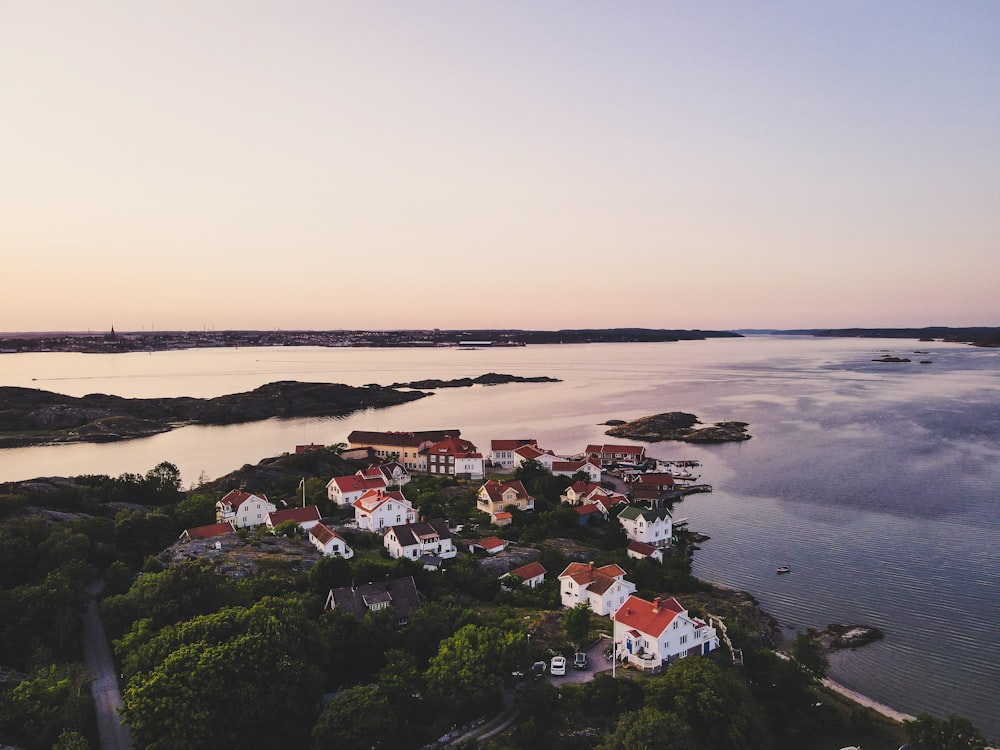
(656, 605)
(590, 565)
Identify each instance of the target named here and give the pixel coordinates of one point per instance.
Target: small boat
(784, 569)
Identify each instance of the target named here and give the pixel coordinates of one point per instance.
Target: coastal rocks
(679, 425)
(891, 359)
(836, 637)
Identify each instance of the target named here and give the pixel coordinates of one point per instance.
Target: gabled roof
(490, 542)
(573, 466)
(383, 471)
(629, 450)
(413, 533)
(495, 490)
(451, 446)
(529, 571)
(400, 439)
(324, 535)
(236, 498)
(586, 510)
(373, 499)
(659, 479)
(634, 512)
(299, 515)
(354, 483)
(532, 452)
(641, 548)
(401, 592)
(651, 618)
(207, 532)
(610, 501)
(509, 445)
(586, 488)
(585, 573)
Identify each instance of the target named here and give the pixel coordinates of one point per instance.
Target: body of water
(879, 484)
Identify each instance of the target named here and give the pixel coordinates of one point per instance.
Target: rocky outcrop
(679, 425)
(490, 378)
(836, 637)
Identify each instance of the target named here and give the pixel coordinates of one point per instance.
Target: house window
(684, 639)
(675, 626)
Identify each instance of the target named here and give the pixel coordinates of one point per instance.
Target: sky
(183, 165)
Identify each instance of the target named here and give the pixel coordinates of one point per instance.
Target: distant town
(141, 341)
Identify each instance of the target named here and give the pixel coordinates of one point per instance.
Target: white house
(376, 510)
(590, 466)
(491, 545)
(454, 457)
(306, 518)
(502, 451)
(417, 539)
(345, 490)
(392, 473)
(531, 575)
(605, 588)
(651, 634)
(609, 454)
(652, 526)
(642, 551)
(329, 542)
(533, 453)
(579, 493)
(243, 509)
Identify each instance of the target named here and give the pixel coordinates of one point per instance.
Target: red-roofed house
(329, 542)
(587, 513)
(345, 490)
(579, 493)
(491, 545)
(306, 518)
(243, 509)
(502, 451)
(605, 504)
(207, 532)
(590, 466)
(454, 456)
(651, 634)
(609, 454)
(533, 453)
(641, 551)
(531, 575)
(376, 510)
(493, 497)
(605, 587)
(391, 473)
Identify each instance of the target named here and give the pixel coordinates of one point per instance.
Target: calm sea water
(877, 483)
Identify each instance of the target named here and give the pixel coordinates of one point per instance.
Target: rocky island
(679, 425)
(490, 378)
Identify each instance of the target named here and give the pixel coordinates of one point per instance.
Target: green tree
(358, 718)
(807, 651)
(52, 699)
(954, 733)
(649, 729)
(576, 622)
(165, 480)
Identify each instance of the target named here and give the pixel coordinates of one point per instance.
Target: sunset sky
(325, 165)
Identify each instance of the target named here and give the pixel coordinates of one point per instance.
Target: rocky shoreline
(678, 425)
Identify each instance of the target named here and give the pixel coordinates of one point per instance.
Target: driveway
(595, 663)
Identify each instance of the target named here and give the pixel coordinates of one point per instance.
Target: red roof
(633, 450)
(236, 498)
(491, 542)
(323, 535)
(299, 515)
(529, 571)
(495, 490)
(503, 514)
(651, 618)
(660, 479)
(586, 510)
(213, 529)
(451, 446)
(509, 445)
(641, 547)
(354, 483)
(584, 573)
(374, 498)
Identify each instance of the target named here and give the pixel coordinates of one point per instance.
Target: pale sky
(367, 164)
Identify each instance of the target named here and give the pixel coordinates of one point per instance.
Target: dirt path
(107, 699)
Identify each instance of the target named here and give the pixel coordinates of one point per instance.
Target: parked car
(579, 660)
(538, 668)
(557, 666)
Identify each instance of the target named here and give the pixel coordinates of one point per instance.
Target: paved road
(107, 699)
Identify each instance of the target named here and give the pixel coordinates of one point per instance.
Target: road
(112, 733)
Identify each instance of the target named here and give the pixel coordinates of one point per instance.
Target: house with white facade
(243, 509)
(589, 466)
(533, 453)
(650, 525)
(345, 490)
(392, 473)
(502, 451)
(608, 503)
(454, 457)
(605, 588)
(415, 540)
(642, 551)
(580, 493)
(404, 447)
(610, 453)
(306, 517)
(377, 510)
(531, 575)
(652, 634)
(491, 545)
(329, 542)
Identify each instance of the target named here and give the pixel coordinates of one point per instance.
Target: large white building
(415, 540)
(377, 510)
(653, 527)
(651, 634)
(345, 490)
(605, 588)
(243, 509)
